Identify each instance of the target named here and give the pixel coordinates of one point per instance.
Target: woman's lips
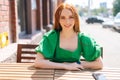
(67, 26)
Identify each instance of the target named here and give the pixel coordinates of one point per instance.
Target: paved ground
(109, 39)
(8, 53)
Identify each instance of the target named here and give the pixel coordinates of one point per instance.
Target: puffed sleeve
(47, 44)
(91, 50)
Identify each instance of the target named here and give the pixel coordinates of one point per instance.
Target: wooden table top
(26, 71)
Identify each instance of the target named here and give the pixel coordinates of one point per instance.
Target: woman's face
(67, 20)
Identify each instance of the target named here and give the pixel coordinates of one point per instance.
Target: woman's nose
(67, 20)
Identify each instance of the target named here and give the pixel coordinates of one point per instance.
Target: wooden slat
(29, 45)
(28, 57)
(69, 78)
(26, 72)
(26, 76)
(28, 52)
(17, 78)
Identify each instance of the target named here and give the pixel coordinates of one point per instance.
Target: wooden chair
(26, 53)
(102, 52)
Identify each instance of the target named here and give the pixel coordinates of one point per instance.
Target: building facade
(25, 18)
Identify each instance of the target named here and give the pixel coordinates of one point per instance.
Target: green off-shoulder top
(49, 47)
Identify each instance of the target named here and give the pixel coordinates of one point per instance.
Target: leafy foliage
(116, 7)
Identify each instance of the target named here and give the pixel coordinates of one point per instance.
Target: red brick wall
(13, 21)
(8, 19)
(4, 16)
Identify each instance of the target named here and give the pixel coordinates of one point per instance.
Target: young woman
(62, 47)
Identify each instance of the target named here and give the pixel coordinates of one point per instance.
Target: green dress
(49, 47)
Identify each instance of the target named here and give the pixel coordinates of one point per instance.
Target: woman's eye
(62, 17)
(71, 17)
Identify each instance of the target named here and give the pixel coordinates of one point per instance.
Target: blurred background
(25, 21)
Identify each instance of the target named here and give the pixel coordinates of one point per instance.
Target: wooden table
(26, 71)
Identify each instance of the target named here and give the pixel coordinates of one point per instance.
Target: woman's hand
(73, 66)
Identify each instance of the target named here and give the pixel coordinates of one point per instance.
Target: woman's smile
(67, 26)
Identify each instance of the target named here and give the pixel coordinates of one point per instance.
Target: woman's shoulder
(85, 38)
(84, 35)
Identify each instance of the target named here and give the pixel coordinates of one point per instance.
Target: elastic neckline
(66, 49)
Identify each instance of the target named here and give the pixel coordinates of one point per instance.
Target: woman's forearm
(48, 64)
(97, 64)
